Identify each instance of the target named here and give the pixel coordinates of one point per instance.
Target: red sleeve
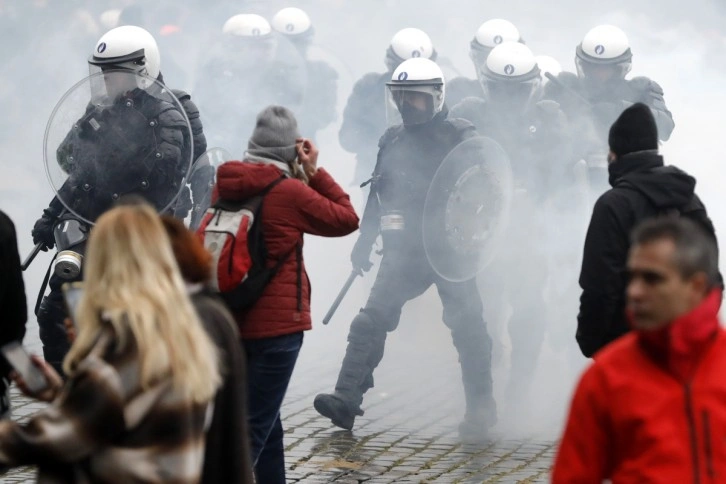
(582, 457)
(324, 208)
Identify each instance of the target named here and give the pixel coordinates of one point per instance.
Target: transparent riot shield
(467, 209)
(202, 180)
(116, 134)
(243, 75)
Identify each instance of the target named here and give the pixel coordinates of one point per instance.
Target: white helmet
(128, 47)
(489, 35)
(510, 74)
(247, 25)
(293, 22)
(409, 43)
(548, 65)
(604, 45)
(420, 76)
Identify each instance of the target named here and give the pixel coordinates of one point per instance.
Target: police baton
(346, 287)
(31, 257)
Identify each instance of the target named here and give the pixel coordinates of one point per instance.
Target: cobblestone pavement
(409, 432)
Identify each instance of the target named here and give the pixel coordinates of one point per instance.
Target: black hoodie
(642, 187)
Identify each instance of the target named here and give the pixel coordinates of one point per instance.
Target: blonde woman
(141, 370)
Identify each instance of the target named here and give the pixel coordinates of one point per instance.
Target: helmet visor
(413, 103)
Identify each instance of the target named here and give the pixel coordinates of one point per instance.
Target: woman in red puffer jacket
(307, 200)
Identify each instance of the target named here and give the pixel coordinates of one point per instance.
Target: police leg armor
(463, 315)
(51, 314)
(395, 284)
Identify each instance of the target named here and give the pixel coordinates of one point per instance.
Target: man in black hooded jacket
(642, 187)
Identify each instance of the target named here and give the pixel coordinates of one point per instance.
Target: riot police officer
(132, 138)
(409, 155)
(319, 106)
(595, 96)
(249, 67)
(364, 117)
(489, 35)
(535, 135)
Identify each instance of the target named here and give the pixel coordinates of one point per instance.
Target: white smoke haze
(44, 46)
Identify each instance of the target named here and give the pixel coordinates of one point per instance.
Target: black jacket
(227, 451)
(12, 289)
(642, 188)
(408, 159)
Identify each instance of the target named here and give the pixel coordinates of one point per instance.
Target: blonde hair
(132, 279)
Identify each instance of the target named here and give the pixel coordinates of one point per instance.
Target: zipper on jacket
(707, 445)
(692, 433)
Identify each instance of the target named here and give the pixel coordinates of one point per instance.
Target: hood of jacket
(240, 180)
(644, 171)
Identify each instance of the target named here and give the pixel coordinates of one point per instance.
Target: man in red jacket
(652, 407)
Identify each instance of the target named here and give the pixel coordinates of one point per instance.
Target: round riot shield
(114, 134)
(467, 209)
(240, 77)
(202, 180)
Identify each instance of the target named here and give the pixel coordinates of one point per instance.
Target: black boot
(366, 342)
(335, 407)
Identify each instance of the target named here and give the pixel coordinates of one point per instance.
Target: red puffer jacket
(289, 210)
(652, 407)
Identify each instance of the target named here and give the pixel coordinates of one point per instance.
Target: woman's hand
(307, 154)
(55, 382)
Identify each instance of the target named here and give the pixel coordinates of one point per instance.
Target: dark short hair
(696, 250)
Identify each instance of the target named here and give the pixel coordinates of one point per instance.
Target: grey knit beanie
(274, 134)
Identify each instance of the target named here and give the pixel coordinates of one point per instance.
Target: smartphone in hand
(72, 292)
(20, 360)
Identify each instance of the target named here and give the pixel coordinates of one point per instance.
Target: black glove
(43, 232)
(43, 229)
(361, 255)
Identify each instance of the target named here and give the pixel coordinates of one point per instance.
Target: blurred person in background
(535, 135)
(364, 117)
(409, 156)
(642, 187)
(489, 35)
(12, 303)
(304, 199)
(319, 106)
(141, 364)
(595, 96)
(227, 451)
(249, 66)
(651, 406)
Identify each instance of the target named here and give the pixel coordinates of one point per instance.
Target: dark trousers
(270, 362)
(51, 313)
(403, 277)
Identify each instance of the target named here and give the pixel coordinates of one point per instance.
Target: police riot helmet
(604, 55)
(293, 22)
(489, 35)
(129, 48)
(548, 65)
(247, 25)
(511, 74)
(409, 43)
(417, 89)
